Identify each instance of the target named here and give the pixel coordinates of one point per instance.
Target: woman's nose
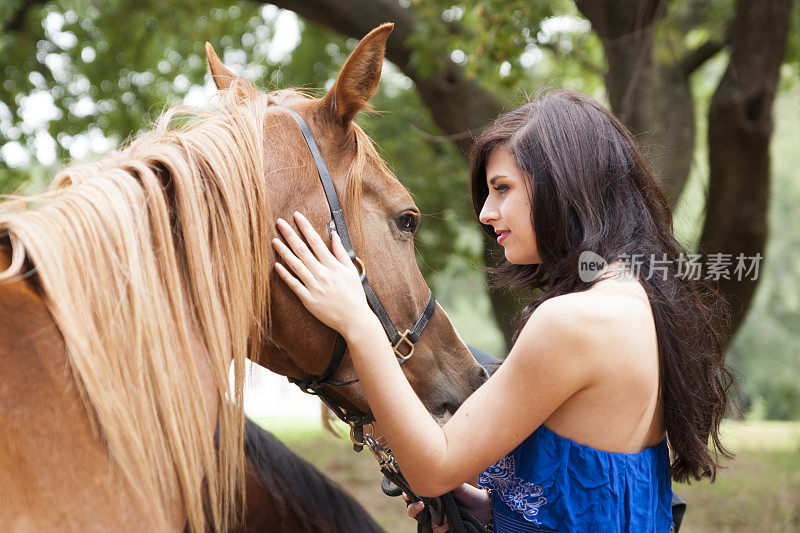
(488, 214)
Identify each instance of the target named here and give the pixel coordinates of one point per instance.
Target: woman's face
(508, 208)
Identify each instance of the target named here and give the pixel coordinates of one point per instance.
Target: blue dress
(551, 483)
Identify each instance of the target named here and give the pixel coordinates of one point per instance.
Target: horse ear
(224, 78)
(358, 80)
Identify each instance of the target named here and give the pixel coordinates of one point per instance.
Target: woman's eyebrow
(496, 177)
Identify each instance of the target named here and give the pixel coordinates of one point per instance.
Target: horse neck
(150, 274)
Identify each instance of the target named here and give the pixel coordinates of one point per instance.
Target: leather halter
(402, 343)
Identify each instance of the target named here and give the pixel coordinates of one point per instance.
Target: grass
(758, 491)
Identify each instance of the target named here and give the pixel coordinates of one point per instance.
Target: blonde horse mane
(150, 260)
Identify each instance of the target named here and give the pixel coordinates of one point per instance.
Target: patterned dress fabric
(551, 483)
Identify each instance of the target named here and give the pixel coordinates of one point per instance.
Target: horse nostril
(487, 362)
(451, 407)
(445, 408)
(480, 376)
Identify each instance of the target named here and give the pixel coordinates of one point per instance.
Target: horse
(287, 494)
(133, 285)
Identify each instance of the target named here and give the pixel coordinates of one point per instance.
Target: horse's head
(381, 218)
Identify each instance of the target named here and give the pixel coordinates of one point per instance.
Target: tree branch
(18, 19)
(694, 59)
(355, 18)
(456, 103)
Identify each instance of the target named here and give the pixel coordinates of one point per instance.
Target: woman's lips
(502, 236)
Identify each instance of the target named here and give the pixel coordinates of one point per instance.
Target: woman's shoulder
(567, 324)
(596, 318)
(595, 310)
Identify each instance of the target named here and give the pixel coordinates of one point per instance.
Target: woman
(569, 432)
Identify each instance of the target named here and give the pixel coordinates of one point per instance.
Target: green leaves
(112, 65)
(508, 46)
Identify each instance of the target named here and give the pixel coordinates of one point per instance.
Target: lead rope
(436, 509)
(459, 518)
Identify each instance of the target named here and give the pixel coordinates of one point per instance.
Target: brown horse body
(114, 430)
(55, 474)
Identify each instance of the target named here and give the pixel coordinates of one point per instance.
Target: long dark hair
(591, 191)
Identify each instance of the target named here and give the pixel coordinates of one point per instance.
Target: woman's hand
(475, 500)
(414, 508)
(328, 284)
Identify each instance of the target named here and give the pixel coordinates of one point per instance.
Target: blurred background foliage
(82, 76)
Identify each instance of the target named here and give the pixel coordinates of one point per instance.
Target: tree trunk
(653, 98)
(739, 132)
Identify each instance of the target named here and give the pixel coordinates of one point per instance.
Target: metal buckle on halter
(363, 270)
(404, 339)
(356, 427)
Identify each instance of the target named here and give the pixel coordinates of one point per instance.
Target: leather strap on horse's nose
(398, 340)
(402, 343)
(325, 179)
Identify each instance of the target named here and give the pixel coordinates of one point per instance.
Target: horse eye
(407, 222)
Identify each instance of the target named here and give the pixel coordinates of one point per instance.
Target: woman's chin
(517, 259)
(513, 258)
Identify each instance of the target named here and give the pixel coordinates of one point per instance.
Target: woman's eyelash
(500, 188)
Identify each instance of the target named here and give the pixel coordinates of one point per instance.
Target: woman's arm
(545, 367)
